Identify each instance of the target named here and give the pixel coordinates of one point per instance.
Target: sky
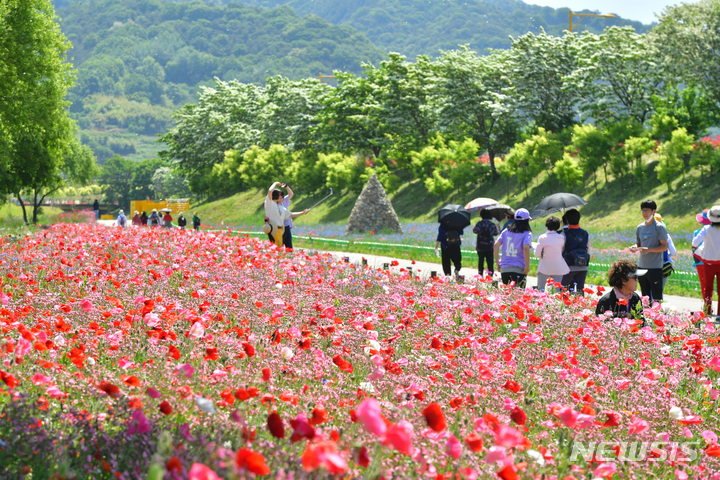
(642, 10)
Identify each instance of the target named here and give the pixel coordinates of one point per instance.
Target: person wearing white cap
(707, 247)
(515, 242)
(121, 219)
(623, 301)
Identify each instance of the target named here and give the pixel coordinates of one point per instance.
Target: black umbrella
(454, 217)
(557, 202)
(499, 211)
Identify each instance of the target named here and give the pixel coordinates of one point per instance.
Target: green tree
(568, 171)
(671, 156)
(169, 184)
(260, 167)
(687, 40)
(403, 91)
(706, 154)
(38, 147)
(635, 148)
(530, 158)
(618, 74)
(592, 146)
(142, 179)
(350, 121)
(470, 92)
(539, 66)
(693, 109)
(116, 180)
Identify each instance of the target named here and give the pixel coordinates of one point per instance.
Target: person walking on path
(196, 221)
(623, 301)
(143, 219)
(136, 219)
(515, 242)
(703, 220)
(707, 247)
(287, 225)
(576, 253)
(167, 220)
(96, 209)
(121, 219)
(651, 237)
(449, 242)
(277, 214)
(154, 218)
(486, 232)
(182, 221)
(549, 250)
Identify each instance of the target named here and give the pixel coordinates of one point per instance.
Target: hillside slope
(615, 206)
(414, 27)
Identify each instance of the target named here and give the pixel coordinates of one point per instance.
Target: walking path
(423, 269)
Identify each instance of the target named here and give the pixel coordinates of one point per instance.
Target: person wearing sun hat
(697, 261)
(623, 300)
(515, 242)
(707, 247)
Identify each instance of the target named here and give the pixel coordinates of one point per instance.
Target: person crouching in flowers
(623, 300)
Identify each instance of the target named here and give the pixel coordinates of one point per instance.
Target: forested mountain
(414, 27)
(138, 60)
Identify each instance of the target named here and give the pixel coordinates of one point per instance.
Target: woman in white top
(707, 242)
(549, 250)
(276, 214)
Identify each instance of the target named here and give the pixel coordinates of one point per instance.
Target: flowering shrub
(153, 353)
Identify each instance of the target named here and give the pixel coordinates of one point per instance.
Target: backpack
(122, 221)
(485, 236)
(452, 238)
(576, 251)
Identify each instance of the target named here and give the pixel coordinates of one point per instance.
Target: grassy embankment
(11, 216)
(612, 207)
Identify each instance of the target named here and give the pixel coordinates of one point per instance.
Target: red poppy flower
(131, 380)
(109, 388)
(362, 457)
(275, 425)
(434, 417)
(518, 416)
(474, 442)
(253, 462)
(512, 386)
(343, 364)
(266, 374)
(174, 466)
(165, 407)
(319, 416)
(249, 349)
(713, 450)
(211, 353)
(508, 473)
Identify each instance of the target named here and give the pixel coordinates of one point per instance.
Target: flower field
(154, 353)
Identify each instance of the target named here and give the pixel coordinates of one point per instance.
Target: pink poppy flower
(369, 416)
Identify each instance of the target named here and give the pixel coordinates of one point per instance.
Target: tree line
(568, 105)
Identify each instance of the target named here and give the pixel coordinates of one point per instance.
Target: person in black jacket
(623, 301)
(182, 221)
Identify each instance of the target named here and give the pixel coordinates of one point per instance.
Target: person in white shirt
(549, 250)
(121, 219)
(277, 213)
(707, 247)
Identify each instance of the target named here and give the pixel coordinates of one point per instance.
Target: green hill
(138, 60)
(414, 27)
